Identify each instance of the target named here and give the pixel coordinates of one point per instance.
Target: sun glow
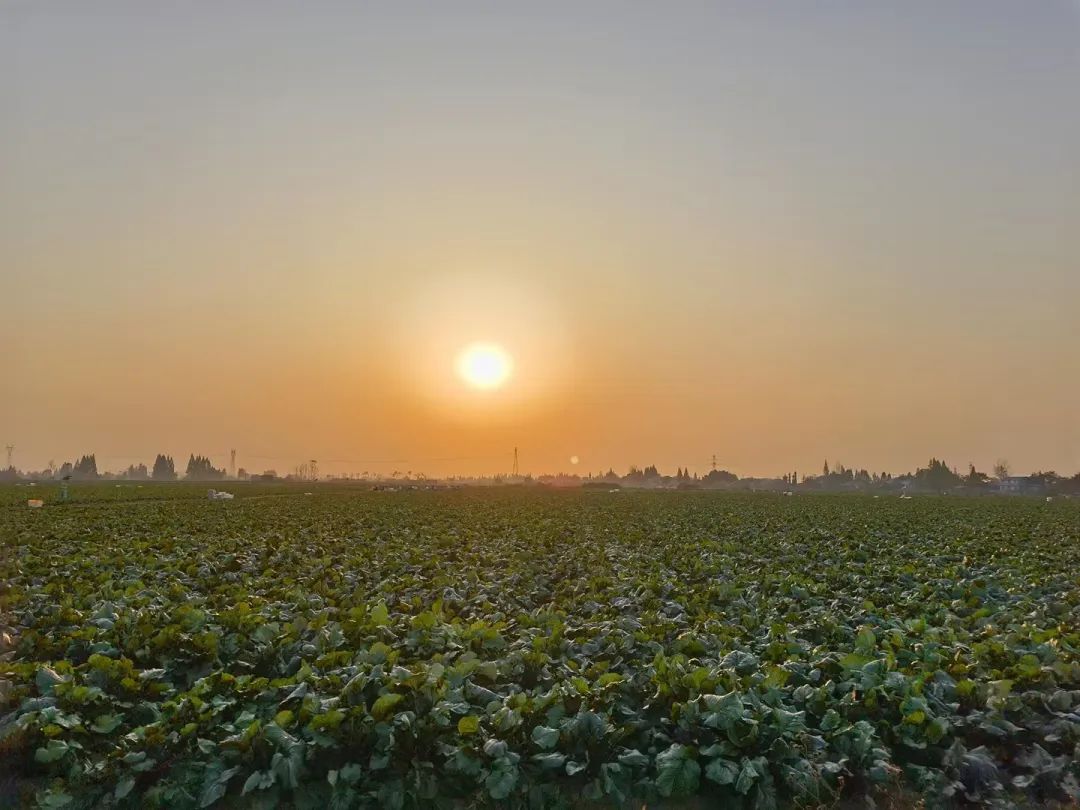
(480, 350)
(485, 366)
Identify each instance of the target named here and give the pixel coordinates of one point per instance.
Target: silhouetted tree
(975, 479)
(1001, 469)
(85, 468)
(136, 472)
(937, 476)
(719, 477)
(199, 468)
(164, 468)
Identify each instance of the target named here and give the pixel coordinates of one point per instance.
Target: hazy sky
(776, 232)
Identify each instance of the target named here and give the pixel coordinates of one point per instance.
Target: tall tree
(136, 472)
(164, 468)
(937, 476)
(85, 468)
(199, 468)
(975, 479)
(719, 477)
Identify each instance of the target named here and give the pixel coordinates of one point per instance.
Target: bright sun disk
(484, 365)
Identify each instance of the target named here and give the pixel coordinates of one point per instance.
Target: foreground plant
(542, 649)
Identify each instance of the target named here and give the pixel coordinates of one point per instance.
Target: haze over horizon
(775, 233)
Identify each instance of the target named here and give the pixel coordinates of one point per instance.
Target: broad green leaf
(327, 721)
(677, 773)
(936, 729)
(866, 642)
(107, 723)
(831, 721)
(553, 761)
(253, 782)
(284, 718)
(124, 786)
(724, 710)
(385, 704)
(748, 775)
(548, 738)
(634, 759)
(855, 661)
(215, 785)
(352, 773)
(502, 780)
(51, 751)
(573, 767)
(722, 771)
(380, 616)
(46, 679)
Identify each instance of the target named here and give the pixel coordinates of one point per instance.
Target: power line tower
(232, 464)
(10, 451)
(314, 468)
(714, 462)
(515, 463)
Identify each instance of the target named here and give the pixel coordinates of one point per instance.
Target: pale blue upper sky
(783, 230)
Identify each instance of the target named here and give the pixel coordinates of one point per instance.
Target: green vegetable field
(527, 648)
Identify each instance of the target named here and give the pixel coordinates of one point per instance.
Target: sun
(486, 366)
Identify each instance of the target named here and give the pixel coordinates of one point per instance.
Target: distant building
(1020, 485)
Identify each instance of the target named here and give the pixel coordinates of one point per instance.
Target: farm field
(515, 647)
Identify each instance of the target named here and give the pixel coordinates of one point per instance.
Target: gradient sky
(776, 232)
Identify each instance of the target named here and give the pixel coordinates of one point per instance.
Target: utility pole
(232, 464)
(515, 463)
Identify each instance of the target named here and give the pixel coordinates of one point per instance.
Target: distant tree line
(85, 469)
(936, 476)
(199, 468)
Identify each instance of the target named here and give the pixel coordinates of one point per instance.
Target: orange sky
(769, 234)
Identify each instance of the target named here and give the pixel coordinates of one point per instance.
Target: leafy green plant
(355, 649)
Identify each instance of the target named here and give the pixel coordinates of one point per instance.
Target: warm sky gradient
(773, 231)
